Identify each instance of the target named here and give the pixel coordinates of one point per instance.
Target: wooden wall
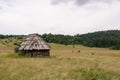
(35, 53)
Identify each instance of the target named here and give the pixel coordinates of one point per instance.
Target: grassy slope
(65, 63)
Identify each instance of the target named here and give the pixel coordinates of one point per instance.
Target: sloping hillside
(101, 39)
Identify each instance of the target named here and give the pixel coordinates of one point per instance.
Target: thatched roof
(34, 42)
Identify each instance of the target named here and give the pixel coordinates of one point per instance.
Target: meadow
(65, 63)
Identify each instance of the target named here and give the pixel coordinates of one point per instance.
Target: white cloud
(40, 16)
(82, 2)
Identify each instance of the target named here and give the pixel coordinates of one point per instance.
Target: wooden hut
(33, 45)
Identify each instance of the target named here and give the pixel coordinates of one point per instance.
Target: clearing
(65, 63)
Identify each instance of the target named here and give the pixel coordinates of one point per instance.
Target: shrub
(115, 47)
(21, 53)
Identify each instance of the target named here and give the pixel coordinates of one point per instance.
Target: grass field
(65, 63)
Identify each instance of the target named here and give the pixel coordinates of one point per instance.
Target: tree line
(103, 39)
(11, 36)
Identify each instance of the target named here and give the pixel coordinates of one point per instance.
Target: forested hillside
(103, 39)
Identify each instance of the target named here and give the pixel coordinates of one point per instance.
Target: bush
(21, 53)
(15, 43)
(115, 47)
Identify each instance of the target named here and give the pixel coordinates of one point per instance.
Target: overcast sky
(58, 16)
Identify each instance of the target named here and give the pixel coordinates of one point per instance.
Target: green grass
(65, 63)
